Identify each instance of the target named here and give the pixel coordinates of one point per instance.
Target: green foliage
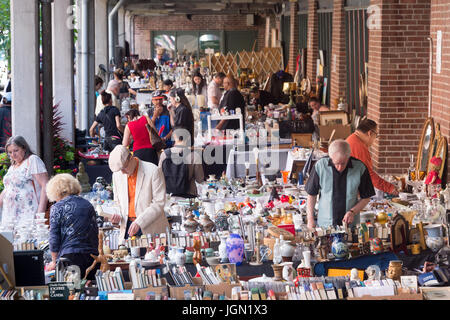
(5, 30)
(4, 165)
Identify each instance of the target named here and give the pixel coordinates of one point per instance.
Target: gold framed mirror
(441, 152)
(437, 136)
(423, 153)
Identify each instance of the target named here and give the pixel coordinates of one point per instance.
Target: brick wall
(398, 81)
(440, 13)
(293, 41)
(313, 42)
(145, 24)
(338, 55)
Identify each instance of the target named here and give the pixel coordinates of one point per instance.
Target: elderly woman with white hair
(344, 185)
(73, 225)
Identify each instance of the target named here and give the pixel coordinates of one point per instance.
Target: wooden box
(140, 294)
(178, 292)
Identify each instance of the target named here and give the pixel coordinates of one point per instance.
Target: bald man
(232, 99)
(344, 185)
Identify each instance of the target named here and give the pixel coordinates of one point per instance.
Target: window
(187, 44)
(167, 42)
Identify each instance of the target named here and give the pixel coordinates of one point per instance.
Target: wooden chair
(301, 140)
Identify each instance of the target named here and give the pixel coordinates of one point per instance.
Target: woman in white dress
(24, 194)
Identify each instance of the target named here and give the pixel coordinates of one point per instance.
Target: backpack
(176, 176)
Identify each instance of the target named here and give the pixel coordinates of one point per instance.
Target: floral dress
(22, 192)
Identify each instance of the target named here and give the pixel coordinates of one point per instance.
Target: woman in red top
(142, 147)
(360, 141)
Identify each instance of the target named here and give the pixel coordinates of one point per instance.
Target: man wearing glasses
(344, 185)
(139, 188)
(360, 142)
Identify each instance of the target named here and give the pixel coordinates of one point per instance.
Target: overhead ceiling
(203, 7)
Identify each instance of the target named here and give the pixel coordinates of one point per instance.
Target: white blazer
(149, 199)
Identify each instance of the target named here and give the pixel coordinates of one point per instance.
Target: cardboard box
(223, 288)
(178, 292)
(401, 296)
(342, 131)
(140, 294)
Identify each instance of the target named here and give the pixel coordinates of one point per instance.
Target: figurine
(373, 272)
(395, 270)
(190, 225)
(101, 258)
(83, 178)
(433, 176)
(197, 258)
(354, 275)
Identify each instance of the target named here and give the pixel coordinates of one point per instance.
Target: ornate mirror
(423, 153)
(437, 137)
(441, 152)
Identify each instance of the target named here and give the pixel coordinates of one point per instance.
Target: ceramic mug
(264, 252)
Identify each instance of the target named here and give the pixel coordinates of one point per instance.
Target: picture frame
(333, 117)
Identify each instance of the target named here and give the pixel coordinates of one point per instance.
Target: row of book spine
(110, 280)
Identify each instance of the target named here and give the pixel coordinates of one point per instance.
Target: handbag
(156, 141)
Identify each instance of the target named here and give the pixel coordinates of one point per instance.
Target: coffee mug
(265, 252)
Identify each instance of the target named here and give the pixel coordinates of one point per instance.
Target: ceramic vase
(288, 271)
(206, 223)
(180, 257)
(376, 245)
(287, 251)
(434, 243)
(338, 247)
(223, 254)
(235, 248)
(277, 272)
(221, 221)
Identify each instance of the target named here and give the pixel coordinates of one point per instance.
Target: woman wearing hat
(161, 117)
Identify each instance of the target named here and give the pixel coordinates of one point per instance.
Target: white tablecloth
(276, 158)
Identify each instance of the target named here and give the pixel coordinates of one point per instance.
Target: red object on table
(288, 227)
(91, 157)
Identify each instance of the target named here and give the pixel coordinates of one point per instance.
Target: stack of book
(7, 294)
(142, 278)
(110, 280)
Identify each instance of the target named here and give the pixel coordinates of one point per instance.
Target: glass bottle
(277, 252)
(411, 173)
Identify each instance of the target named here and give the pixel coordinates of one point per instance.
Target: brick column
(440, 111)
(293, 44)
(313, 42)
(398, 80)
(338, 54)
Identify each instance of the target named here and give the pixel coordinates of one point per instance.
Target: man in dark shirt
(340, 179)
(261, 97)
(231, 99)
(5, 119)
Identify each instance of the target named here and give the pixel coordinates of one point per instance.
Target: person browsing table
(344, 185)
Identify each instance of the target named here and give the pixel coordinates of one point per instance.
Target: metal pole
(47, 80)
(84, 64)
(111, 32)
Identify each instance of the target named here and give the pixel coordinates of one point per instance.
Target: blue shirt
(73, 227)
(164, 120)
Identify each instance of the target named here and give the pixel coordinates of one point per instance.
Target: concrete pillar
(267, 35)
(63, 64)
(338, 55)
(128, 19)
(25, 72)
(121, 27)
(293, 41)
(101, 32)
(84, 120)
(313, 42)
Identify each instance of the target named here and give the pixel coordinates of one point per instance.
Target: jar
(338, 247)
(180, 257)
(287, 251)
(235, 249)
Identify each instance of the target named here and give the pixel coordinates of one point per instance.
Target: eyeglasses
(376, 133)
